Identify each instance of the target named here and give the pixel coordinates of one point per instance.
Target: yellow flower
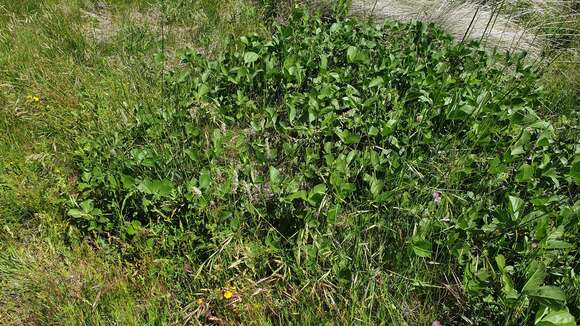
(228, 294)
(33, 99)
(199, 301)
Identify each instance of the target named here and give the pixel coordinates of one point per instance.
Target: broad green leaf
(363, 57)
(319, 189)
(204, 178)
(87, 206)
(298, 195)
(575, 172)
(292, 114)
(250, 57)
(389, 127)
(352, 139)
(558, 317)
(377, 81)
(516, 206)
(517, 150)
(376, 187)
(112, 181)
(325, 92)
(373, 131)
(164, 188)
(202, 90)
(161, 188)
(335, 27)
(508, 287)
(289, 62)
(275, 176)
(461, 113)
(552, 174)
(422, 248)
(500, 261)
(549, 295)
(525, 173)
(323, 62)
(351, 54)
(558, 244)
(316, 194)
(347, 137)
(127, 181)
(133, 227)
(332, 214)
(536, 279)
(76, 213)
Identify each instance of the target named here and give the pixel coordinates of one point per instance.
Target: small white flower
(196, 191)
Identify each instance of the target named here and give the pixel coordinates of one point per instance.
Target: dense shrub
(348, 150)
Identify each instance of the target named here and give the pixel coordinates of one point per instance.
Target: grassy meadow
(169, 162)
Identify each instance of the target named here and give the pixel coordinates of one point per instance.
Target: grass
(84, 60)
(94, 66)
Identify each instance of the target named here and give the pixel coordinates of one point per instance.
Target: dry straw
(496, 25)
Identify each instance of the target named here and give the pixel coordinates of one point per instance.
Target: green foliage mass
(354, 153)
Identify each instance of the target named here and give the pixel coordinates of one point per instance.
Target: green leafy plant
(337, 148)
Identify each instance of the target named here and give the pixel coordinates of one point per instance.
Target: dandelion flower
(199, 301)
(228, 294)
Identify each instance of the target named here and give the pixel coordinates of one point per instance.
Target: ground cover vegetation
(312, 169)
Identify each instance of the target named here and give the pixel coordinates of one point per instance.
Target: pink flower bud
(437, 197)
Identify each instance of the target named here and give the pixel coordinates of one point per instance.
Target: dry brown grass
(465, 20)
(497, 24)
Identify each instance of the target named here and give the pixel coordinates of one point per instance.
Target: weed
(337, 132)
